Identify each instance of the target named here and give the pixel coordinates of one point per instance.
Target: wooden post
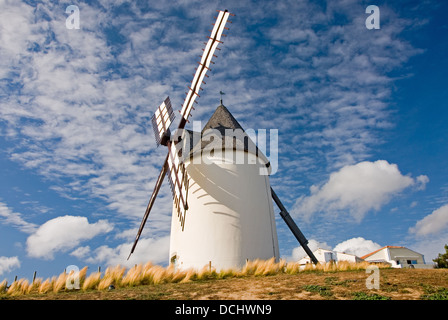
(210, 266)
(34, 276)
(99, 269)
(15, 278)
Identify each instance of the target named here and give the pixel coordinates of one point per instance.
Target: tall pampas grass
(46, 286)
(82, 276)
(227, 273)
(3, 286)
(92, 281)
(292, 268)
(133, 277)
(250, 267)
(19, 287)
(34, 286)
(150, 274)
(112, 276)
(206, 273)
(59, 283)
(190, 275)
(259, 267)
(159, 275)
(177, 275)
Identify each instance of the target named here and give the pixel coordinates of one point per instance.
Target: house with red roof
(398, 257)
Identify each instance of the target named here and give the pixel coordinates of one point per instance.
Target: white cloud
(81, 252)
(8, 263)
(355, 189)
(421, 182)
(148, 249)
(357, 246)
(432, 224)
(298, 252)
(62, 234)
(429, 246)
(7, 216)
(16, 29)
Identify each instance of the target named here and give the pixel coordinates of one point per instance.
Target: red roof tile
(369, 254)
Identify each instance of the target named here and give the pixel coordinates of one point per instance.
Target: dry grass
(19, 287)
(45, 286)
(59, 284)
(92, 281)
(3, 285)
(150, 274)
(112, 276)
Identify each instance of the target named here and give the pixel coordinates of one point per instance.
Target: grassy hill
(257, 281)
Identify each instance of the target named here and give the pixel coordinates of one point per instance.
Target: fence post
(34, 276)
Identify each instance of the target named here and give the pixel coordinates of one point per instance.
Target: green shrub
(368, 296)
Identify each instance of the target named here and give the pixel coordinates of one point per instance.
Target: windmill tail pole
(293, 227)
(151, 202)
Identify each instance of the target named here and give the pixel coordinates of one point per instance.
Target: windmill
(229, 206)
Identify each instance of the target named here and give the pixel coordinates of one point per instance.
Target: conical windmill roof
(222, 119)
(222, 131)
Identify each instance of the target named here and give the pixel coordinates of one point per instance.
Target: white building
(398, 257)
(324, 256)
(230, 216)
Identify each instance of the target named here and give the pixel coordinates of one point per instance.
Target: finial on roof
(221, 93)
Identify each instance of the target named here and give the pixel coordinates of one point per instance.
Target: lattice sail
(178, 178)
(162, 119)
(204, 64)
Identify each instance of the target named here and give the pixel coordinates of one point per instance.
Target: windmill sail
(162, 119)
(178, 178)
(204, 65)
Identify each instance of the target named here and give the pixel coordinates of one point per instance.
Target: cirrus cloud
(8, 216)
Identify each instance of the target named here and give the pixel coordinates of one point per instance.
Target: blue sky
(361, 116)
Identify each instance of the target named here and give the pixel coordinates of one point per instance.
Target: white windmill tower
(222, 208)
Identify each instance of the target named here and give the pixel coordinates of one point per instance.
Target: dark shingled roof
(220, 125)
(215, 129)
(222, 119)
